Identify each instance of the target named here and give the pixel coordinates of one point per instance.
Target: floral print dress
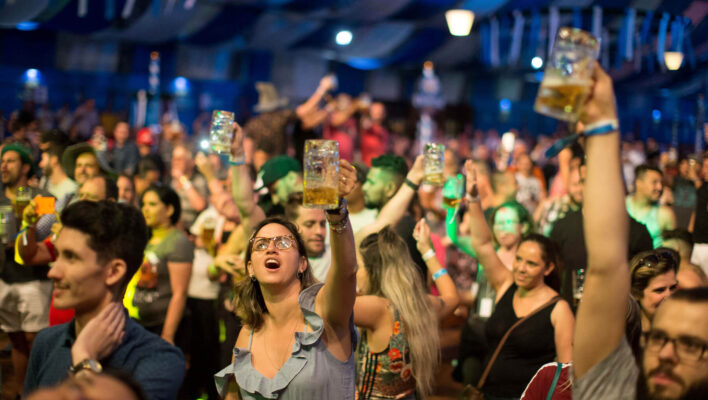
(388, 374)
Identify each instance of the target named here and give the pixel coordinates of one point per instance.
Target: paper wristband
(601, 128)
(439, 273)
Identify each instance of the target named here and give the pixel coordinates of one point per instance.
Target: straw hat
(268, 99)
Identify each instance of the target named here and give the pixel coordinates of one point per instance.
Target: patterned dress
(388, 374)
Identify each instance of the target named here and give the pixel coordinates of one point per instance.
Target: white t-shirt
(200, 287)
(320, 265)
(61, 190)
(364, 217)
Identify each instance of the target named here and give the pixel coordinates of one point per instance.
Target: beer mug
(321, 186)
(208, 227)
(220, 131)
(568, 75)
(8, 224)
(22, 199)
(578, 284)
(453, 191)
(433, 164)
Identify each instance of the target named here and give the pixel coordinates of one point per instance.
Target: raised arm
(448, 300)
(311, 105)
(395, 208)
(462, 243)
(601, 315)
(242, 186)
(219, 197)
(481, 236)
(335, 301)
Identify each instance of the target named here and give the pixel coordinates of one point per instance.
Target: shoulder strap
(559, 367)
(483, 379)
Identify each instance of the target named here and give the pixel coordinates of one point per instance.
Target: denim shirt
(155, 364)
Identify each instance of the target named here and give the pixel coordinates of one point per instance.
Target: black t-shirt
(684, 201)
(700, 225)
(568, 233)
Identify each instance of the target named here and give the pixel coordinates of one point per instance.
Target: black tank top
(700, 228)
(529, 346)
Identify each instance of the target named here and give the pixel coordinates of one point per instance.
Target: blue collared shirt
(158, 366)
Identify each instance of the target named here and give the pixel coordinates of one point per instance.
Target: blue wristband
(601, 128)
(440, 273)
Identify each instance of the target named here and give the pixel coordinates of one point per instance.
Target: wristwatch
(87, 364)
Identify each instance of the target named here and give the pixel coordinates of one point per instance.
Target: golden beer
(561, 99)
(19, 207)
(320, 197)
(451, 202)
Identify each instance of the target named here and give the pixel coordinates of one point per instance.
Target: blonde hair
(394, 276)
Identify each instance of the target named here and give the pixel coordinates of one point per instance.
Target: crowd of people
(147, 268)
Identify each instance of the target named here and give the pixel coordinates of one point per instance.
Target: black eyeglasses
(687, 348)
(281, 242)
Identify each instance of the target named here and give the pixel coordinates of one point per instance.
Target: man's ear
(115, 270)
(390, 189)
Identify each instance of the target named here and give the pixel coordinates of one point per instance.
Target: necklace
(265, 346)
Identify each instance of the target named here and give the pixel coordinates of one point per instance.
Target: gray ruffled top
(311, 372)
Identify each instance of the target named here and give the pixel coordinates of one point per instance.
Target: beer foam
(558, 81)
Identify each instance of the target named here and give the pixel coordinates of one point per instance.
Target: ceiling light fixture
(459, 22)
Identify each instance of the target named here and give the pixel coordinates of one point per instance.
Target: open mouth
(272, 263)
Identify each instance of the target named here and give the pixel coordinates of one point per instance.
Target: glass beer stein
(321, 186)
(22, 199)
(433, 164)
(220, 131)
(568, 75)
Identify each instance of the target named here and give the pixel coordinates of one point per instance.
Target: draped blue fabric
(231, 22)
(13, 13)
(67, 19)
(165, 26)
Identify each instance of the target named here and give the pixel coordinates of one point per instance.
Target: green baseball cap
(276, 168)
(24, 152)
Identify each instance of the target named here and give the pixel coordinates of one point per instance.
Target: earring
(299, 275)
(253, 278)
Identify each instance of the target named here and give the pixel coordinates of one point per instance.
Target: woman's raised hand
(347, 178)
(471, 174)
(421, 234)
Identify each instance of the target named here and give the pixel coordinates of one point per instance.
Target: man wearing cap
(81, 162)
(145, 141)
(281, 175)
(359, 214)
(24, 292)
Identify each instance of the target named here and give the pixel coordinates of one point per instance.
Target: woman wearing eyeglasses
(653, 276)
(298, 336)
